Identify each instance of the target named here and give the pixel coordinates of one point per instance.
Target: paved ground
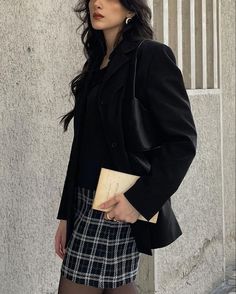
(229, 286)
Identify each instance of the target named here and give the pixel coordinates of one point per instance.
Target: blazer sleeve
(63, 207)
(69, 183)
(170, 109)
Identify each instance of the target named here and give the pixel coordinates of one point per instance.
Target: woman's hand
(60, 239)
(122, 209)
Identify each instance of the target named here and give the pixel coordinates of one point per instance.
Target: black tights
(66, 286)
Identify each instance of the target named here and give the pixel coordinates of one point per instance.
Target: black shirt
(94, 152)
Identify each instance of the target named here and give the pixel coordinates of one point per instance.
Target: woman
(101, 251)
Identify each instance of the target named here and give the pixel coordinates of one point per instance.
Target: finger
(112, 201)
(58, 247)
(105, 216)
(59, 252)
(108, 216)
(62, 253)
(63, 242)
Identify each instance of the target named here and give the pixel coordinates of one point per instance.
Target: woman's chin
(97, 26)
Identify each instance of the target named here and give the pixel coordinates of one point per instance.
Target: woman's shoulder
(153, 45)
(151, 48)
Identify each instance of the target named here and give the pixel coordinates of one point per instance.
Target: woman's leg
(67, 286)
(125, 289)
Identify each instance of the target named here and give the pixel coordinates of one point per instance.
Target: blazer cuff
(138, 194)
(61, 216)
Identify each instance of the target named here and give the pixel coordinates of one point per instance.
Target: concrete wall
(228, 124)
(194, 262)
(39, 55)
(205, 202)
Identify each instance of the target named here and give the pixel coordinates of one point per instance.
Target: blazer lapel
(82, 103)
(118, 58)
(115, 63)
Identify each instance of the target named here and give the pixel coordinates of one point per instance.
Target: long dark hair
(94, 42)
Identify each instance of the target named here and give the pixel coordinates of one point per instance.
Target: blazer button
(101, 102)
(114, 144)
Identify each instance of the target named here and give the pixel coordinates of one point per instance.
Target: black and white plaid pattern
(101, 253)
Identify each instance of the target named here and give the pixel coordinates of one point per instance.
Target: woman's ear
(131, 14)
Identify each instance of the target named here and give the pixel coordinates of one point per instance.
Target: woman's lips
(96, 16)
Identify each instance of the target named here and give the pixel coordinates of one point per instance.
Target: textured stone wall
(205, 202)
(39, 55)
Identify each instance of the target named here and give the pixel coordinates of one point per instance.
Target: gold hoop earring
(128, 19)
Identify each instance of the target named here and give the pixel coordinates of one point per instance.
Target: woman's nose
(97, 3)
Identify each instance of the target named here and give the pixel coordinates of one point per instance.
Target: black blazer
(161, 159)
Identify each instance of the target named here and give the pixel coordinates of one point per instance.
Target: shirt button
(114, 144)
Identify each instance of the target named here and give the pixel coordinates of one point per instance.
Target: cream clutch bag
(113, 182)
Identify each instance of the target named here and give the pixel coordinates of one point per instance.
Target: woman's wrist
(63, 221)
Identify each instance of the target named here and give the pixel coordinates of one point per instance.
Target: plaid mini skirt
(100, 253)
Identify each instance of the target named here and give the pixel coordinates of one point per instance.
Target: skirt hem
(97, 284)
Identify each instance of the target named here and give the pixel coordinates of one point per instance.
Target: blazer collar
(119, 56)
(124, 47)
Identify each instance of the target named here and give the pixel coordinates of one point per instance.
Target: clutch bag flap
(113, 182)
